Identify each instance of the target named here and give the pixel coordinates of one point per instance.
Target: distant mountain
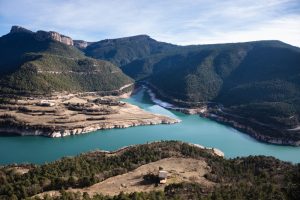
(125, 50)
(81, 44)
(257, 82)
(44, 62)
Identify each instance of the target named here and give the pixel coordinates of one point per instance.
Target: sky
(176, 21)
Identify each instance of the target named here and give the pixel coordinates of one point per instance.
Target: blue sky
(176, 21)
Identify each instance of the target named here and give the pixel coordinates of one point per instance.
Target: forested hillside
(125, 50)
(30, 65)
(255, 81)
(254, 177)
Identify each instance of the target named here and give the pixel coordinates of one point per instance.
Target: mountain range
(257, 84)
(254, 86)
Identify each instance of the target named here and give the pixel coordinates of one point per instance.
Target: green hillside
(125, 50)
(28, 65)
(256, 81)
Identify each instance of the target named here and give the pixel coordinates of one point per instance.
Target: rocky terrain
(44, 35)
(81, 44)
(62, 115)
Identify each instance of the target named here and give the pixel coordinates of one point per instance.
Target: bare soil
(179, 170)
(72, 111)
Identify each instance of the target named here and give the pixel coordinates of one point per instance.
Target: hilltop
(45, 62)
(123, 51)
(194, 172)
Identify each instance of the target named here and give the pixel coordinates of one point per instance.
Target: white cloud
(175, 21)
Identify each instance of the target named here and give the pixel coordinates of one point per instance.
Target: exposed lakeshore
(214, 112)
(62, 115)
(191, 129)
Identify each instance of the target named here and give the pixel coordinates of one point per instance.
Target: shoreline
(215, 151)
(190, 111)
(73, 114)
(32, 131)
(248, 130)
(206, 112)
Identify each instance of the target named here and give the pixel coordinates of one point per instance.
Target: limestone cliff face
(44, 35)
(81, 44)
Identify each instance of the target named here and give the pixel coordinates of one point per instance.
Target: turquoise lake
(194, 129)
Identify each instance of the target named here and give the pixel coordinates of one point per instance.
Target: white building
(162, 175)
(47, 103)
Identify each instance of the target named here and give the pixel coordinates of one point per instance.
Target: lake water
(194, 129)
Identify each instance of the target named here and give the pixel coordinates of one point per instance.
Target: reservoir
(193, 129)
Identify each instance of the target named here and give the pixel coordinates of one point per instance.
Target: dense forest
(125, 50)
(253, 177)
(28, 65)
(258, 81)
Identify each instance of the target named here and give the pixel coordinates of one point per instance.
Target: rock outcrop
(81, 44)
(19, 29)
(44, 35)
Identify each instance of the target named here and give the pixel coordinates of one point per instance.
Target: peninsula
(72, 114)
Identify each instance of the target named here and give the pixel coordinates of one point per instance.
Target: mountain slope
(256, 82)
(124, 50)
(257, 85)
(45, 62)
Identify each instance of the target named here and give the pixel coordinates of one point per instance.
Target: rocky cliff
(19, 29)
(44, 35)
(81, 44)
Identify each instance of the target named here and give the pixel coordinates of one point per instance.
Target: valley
(191, 129)
(257, 81)
(150, 100)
